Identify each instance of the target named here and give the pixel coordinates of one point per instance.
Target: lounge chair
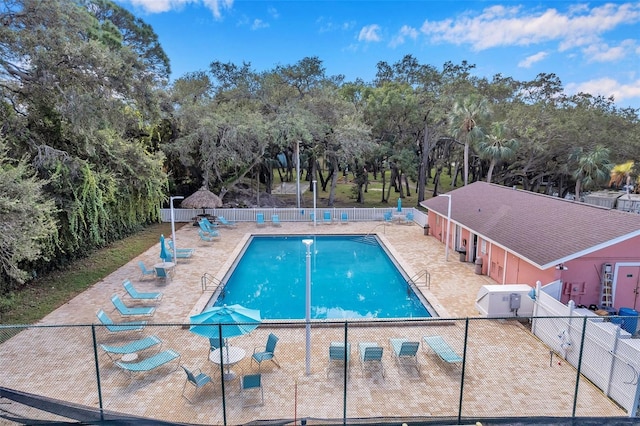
(371, 356)
(441, 348)
(115, 327)
(181, 253)
(208, 227)
(131, 347)
(197, 378)
(134, 294)
(337, 356)
(326, 218)
(151, 363)
(275, 220)
(406, 352)
(344, 218)
(260, 219)
(144, 311)
(204, 236)
(144, 272)
(266, 353)
(226, 222)
(249, 382)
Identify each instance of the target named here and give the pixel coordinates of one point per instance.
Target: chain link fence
(464, 370)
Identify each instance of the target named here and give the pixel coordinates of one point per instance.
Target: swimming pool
(351, 276)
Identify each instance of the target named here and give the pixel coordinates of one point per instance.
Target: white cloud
(607, 87)
(259, 24)
(602, 52)
(273, 12)
(508, 26)
(405, 31)
(159, 6)
(369, 33)
(530, 60)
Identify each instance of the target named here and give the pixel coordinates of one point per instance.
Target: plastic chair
(267, 354)
(144, 272)
(251, 381)
(198, 379)
(406, 352)
(275, 220)
(371, 356)
(337, 356)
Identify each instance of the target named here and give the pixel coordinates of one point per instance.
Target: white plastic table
(230, 355)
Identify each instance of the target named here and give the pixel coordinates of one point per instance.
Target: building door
(627, 287)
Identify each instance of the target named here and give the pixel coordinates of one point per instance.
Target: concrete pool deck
(508, 372)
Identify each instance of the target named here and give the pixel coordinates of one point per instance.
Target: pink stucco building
(521, 237)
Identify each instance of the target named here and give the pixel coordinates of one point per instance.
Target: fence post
(224, 396)
(575, 395)
(464, 362)
(95, 358)
(346, 371)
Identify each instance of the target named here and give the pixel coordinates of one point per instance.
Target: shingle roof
(542, 229)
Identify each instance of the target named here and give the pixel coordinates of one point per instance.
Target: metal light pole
(308, 243)
(298, 172)
(173, 228)
(315, 214)
(446, 246)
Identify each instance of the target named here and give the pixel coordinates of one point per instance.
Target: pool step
(368, 239)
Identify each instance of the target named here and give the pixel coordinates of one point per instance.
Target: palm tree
(591, 168)
(496, 147)
(463, 123)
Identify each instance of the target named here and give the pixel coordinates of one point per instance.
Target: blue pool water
(351, 276)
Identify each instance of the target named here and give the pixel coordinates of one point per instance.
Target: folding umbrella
(164, 253)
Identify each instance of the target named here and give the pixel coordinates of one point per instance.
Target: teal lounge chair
(337, 356)
(260, 219)
(371, 356)
(344, 218)
(181, 253)
(326, 218)
(441, 348)
(198, 379)
(406, 352)
(275, 220)
(226, 222)
(122, 326)
(144, 311)
(208, 227)
(131, 347)
(207, 236)
(144, 272)
(266, 353)
(134, 294)
(151, 363)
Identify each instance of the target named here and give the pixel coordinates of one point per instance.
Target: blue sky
(592, 47)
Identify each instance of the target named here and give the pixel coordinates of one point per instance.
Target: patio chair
(408, 218)
(388, 217)
(326, 218)
(205, 236)
(260, 219)
(208, 227)
(131, 347)
(151, 363)
(275, 220)
(441, 348)
(226, 222)
(197, 378)
(214, 343)
(371, 356)
(266, 353)
(115, 327)
(134, 294)
(164, 273)
(144, 272)
(251, 382)
(124, 310)
(406, 352)
(344, 218)
(337, 356)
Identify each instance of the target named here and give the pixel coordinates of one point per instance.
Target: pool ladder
(208, 279)
(424, 274)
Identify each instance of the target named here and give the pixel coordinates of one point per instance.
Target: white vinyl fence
(609, 356)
